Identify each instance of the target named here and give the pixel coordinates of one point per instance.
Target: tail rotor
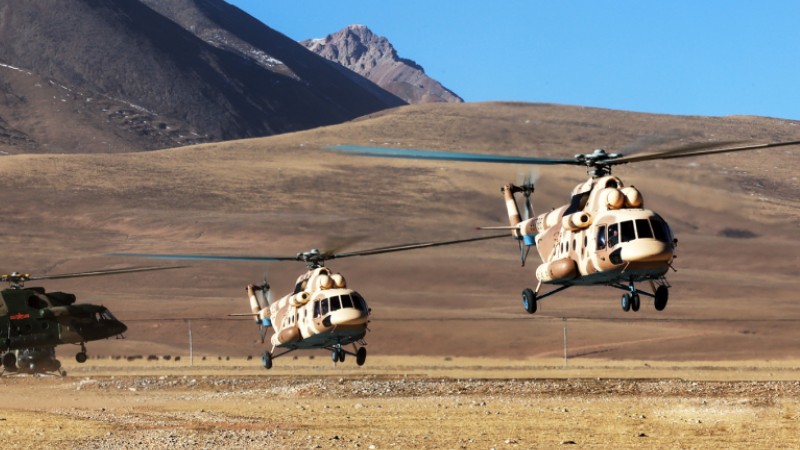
(526, 186)
(527, 181)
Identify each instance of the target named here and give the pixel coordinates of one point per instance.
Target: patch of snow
(15, 68)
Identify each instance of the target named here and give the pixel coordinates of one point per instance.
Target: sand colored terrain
(402, 402)
(454, 361)
(736, 216)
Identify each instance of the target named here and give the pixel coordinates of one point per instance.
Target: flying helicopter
(603, 236)
(321, 312)
(33, 322)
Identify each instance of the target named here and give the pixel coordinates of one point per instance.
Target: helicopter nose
(347, 316)
(646, 250)
(121, 327)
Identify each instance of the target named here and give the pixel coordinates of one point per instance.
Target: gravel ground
(172, 411)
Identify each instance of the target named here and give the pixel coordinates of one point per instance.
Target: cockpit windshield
(326, 305)
(628, 230)
(105, 314)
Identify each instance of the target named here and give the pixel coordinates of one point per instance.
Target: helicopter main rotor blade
(95, 273)
(311, 256)
(206, 257)
(386, 152)
(400, 248)
(695, 150)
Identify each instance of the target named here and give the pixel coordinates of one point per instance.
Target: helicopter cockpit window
(316, 308)
(359, 302)
(336, 304)
(347, 302)
(323, 306)
(643, 229)
(613, 234)
(627, 231)
(660, 230)
(601, 237)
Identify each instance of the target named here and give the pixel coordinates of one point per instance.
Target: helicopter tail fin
(511, 204)
(257, 300)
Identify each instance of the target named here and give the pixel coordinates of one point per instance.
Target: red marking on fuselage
(20, 316)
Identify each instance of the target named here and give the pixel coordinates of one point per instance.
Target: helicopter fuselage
(604, 236)
(321, 312)
(31, 318)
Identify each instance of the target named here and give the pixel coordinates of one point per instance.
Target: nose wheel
(631, 299)
(338, 354)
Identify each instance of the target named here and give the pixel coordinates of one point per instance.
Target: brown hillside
(734, 293)
(129, 77)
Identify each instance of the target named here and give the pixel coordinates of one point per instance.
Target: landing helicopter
(322, 312)
(33, 322)
(604, 236)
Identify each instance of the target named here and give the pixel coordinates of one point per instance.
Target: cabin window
(627, 231)
(336, 304)
(643, 229)
(347, 302)
(613, 234)
(601, 237)
(316, 308)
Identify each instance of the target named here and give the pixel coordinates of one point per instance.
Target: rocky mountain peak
(375, 58)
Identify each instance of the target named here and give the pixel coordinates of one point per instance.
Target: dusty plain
(733, 304)
(405, 402)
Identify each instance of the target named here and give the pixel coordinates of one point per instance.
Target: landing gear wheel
(335, 356)
(10, 361)
(662, 295)
(266, 360)
(529, 300)
(626, 302)
(361, 356)
(635, 302)
(342, 354)
(81, 357)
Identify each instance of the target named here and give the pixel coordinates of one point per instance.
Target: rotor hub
(597, 162)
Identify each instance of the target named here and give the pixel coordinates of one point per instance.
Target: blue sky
(708, 57)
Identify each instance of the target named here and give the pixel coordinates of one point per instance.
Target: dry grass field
(717, 368)
(403, 402)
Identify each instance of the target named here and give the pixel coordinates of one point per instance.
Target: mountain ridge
(359, 49)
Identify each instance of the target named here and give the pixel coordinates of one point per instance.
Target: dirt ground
(401, 402)
(718, 368)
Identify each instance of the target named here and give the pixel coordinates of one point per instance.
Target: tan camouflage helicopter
(604, 236)
(322, 312)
